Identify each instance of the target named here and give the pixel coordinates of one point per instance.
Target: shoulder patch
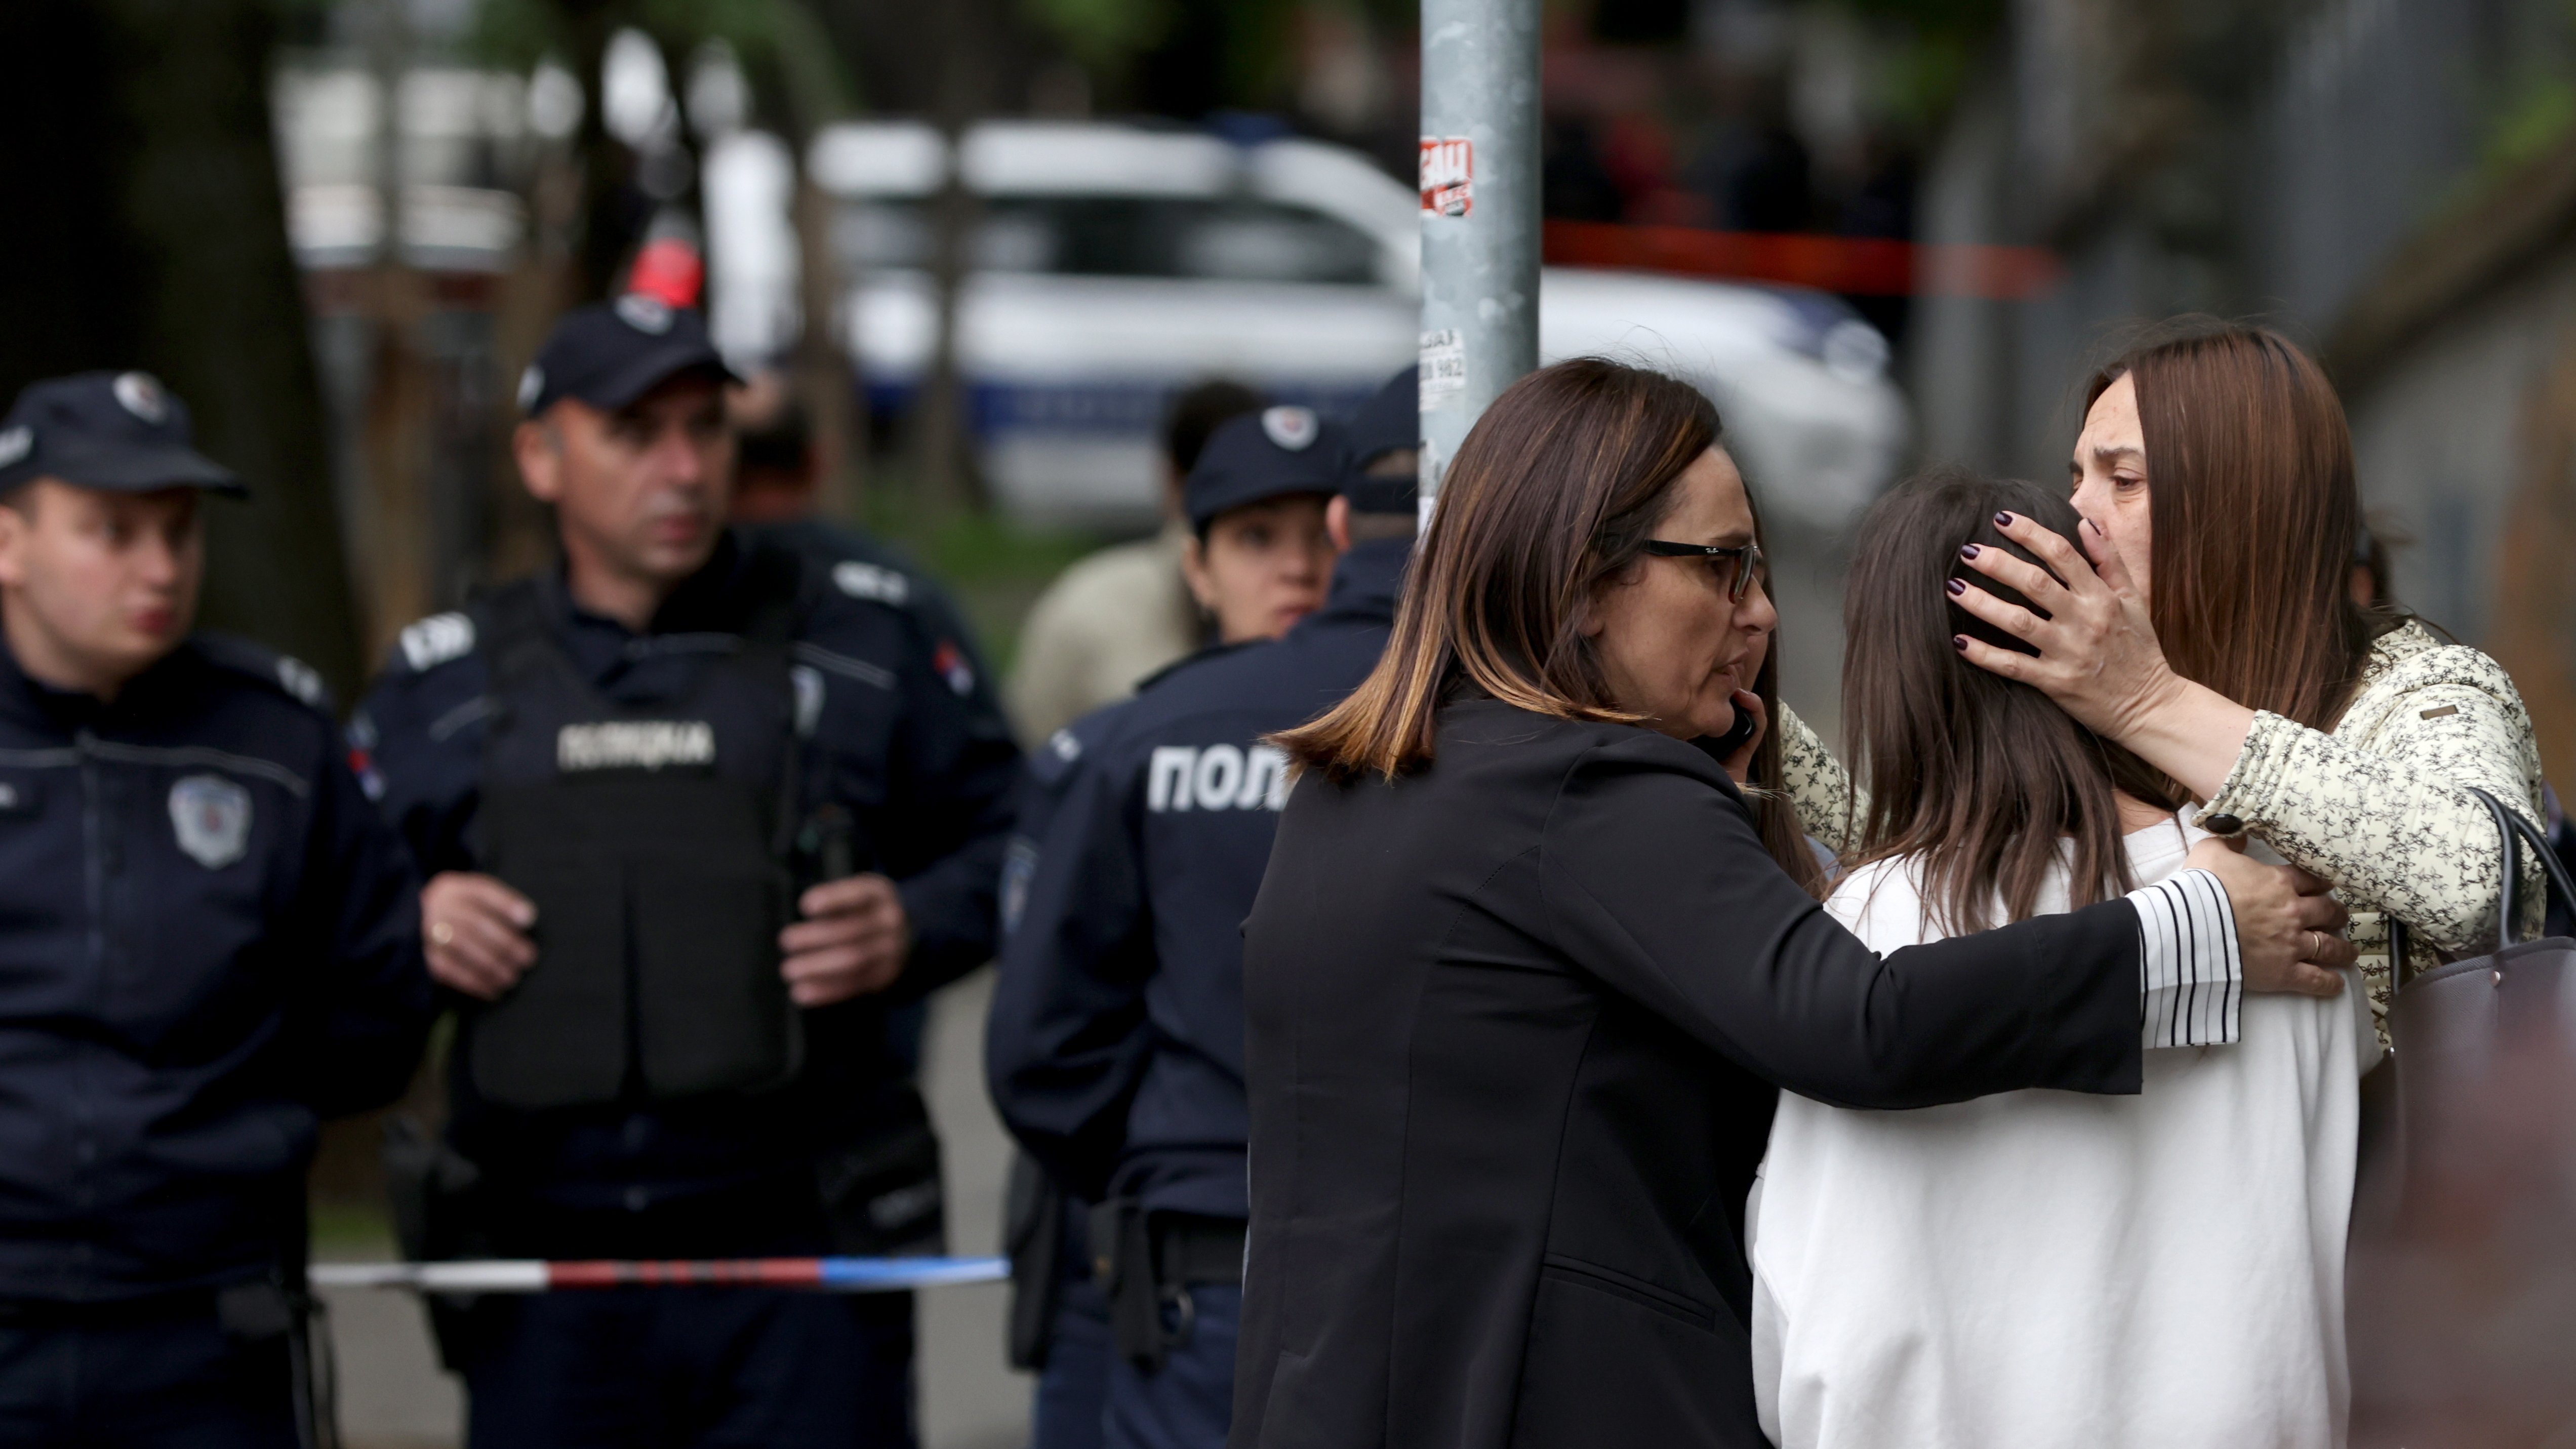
(871, 581)
(437, 639)
(266, 668)
(301, 680)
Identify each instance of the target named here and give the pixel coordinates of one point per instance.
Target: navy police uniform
(212, 943)
(1115, 1047)
(647, 1089)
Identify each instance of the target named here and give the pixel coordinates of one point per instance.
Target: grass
(995, 567)
(343, 1229)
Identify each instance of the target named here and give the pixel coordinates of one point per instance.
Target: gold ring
(442, 933)
(2317, 945)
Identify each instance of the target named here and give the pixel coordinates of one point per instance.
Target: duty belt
(1148, 1262)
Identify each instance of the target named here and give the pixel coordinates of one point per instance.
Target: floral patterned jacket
(2377, 807)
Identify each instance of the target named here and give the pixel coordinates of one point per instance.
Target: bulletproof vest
(653, 839)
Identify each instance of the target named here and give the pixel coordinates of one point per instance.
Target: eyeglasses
(1744, 559)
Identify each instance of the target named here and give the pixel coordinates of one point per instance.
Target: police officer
(698, 812)
(1115, 1049)
(1125, 612)
(212, 942)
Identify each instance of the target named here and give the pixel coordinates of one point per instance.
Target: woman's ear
(1194, 572)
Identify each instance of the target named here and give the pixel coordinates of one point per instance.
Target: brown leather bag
(2462, 1265)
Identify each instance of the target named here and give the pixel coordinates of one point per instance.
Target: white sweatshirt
(2043, 1269)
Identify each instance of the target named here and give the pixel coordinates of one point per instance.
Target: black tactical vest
(654, 841)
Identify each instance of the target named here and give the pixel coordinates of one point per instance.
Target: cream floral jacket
(2378, 807)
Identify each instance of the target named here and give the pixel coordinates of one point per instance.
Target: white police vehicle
(1114, 264)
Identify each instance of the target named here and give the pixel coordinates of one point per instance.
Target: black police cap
(609, 354)
(1386, 423)
(1269, 454)
(119, 431)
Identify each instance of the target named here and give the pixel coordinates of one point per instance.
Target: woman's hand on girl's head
(1739, 761)
(2098, 654)
(2289, 932)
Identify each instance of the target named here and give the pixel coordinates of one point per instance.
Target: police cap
(1386, 423)
(609, 354)
(119, 431)
(1269, 454)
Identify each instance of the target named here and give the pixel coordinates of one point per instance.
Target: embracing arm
(1829, 804)
(1715, 939)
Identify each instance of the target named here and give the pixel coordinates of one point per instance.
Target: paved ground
(393, 1396)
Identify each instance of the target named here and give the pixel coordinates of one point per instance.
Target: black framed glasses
(1744, 559)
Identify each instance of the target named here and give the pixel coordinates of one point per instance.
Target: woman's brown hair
(1988, 785)
(1552, 495)
(2254, 509)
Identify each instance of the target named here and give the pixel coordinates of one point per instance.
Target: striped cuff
(2192, 979)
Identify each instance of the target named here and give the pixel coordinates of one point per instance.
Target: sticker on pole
(1443, 374)
(1448, 176)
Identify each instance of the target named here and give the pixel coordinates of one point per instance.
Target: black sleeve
(1656, 881)
(367, 1004)
(418, 740)
(954, 770)
(1067, 1042)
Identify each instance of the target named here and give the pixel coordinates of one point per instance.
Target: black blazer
(1516, 1024)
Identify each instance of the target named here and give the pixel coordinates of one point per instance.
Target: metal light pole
(1480, 215)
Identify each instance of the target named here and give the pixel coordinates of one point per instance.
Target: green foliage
(996, 568)
(513, 34)
(2538, 120)
(779, 42)
(1965, 20)
(518, 33)
(1103, 35)
(1923, 78)
(1934, 44)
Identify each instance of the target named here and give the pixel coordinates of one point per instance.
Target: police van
(1112, 264)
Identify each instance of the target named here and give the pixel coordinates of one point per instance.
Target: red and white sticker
(1448, 176)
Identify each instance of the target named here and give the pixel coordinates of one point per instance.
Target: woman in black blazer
(1522, 982)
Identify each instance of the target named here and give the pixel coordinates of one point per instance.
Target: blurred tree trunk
(941, 425)
(610, 225)
(147, 229)
(801, 84)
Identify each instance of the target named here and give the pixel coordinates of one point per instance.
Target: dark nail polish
(2003, 520)
(1956, 587)
(1967, 550)
(1959, 642)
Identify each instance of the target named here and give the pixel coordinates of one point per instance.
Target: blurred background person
(1115, 1047)
(1126, 611)
(213, 942)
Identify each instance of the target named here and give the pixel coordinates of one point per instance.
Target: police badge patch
(1291, 428)
(647, 314)
(140, 394)
(211, 817)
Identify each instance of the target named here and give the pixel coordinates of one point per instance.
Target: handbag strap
(2517, 833)
(2513, 832)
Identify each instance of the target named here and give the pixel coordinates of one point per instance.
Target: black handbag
(2461, 1301)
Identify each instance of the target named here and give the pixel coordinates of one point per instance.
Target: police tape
(533, 1275)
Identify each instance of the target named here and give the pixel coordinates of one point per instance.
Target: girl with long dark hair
(2037, 1268)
